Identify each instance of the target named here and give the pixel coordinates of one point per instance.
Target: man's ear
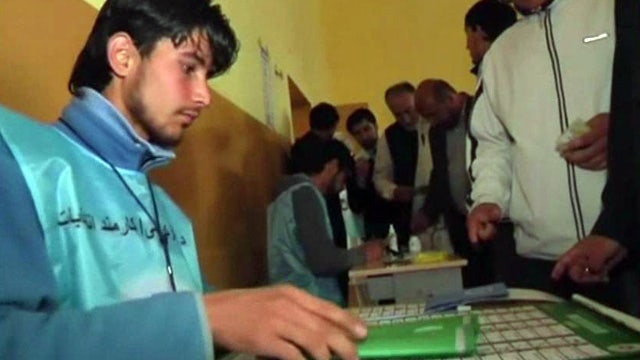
(122, 54)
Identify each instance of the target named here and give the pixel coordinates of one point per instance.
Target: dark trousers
(376, 229)
(401, 220)
(503, 253)
(334, 209)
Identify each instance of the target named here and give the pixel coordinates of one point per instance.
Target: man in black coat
(447, 112)
(614, 241)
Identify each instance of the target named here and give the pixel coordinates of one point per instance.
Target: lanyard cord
(164, 237)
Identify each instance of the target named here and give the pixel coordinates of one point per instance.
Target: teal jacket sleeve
(32, 325)
(166, 326)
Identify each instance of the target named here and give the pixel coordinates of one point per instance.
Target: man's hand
(419, 223)
(282, 322)
(589, 151)
(481, 222)
(374, 250)
(403, 194)
(590, 260)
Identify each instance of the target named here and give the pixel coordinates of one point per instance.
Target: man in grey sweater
(301, 249)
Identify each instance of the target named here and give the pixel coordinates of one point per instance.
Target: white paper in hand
(575, 130)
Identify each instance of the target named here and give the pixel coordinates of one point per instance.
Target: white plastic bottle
(392, 238)
(415, 245)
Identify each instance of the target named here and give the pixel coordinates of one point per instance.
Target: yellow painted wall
(372, 44)
(39, 41)
(292, 32)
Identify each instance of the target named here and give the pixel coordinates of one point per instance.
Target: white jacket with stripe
(547, 71)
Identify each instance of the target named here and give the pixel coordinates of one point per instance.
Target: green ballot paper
(445, 336)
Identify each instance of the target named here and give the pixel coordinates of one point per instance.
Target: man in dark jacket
(447, 111)
(615, 235)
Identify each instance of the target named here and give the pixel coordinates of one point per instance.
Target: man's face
(477, 43)
(366, 133)
(402, 107)
(432, 111)
(168, 89)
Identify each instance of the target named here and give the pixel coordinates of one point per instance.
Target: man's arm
(619, 199)
(167, 326)
(324, 258)
(619, 218)
(491, 171)
(34, 326)
(383, 176)
(267, 321)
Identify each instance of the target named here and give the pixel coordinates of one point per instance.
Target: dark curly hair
(147, 22)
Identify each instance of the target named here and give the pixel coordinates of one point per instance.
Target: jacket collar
(108, 132)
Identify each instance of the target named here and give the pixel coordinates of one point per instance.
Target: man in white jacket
(549, 74)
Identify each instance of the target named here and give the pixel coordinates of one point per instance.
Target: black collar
(475, 69)
(527, 12)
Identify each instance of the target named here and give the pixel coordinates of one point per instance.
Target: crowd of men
(515, 171)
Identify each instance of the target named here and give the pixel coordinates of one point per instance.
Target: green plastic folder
(454, 335)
